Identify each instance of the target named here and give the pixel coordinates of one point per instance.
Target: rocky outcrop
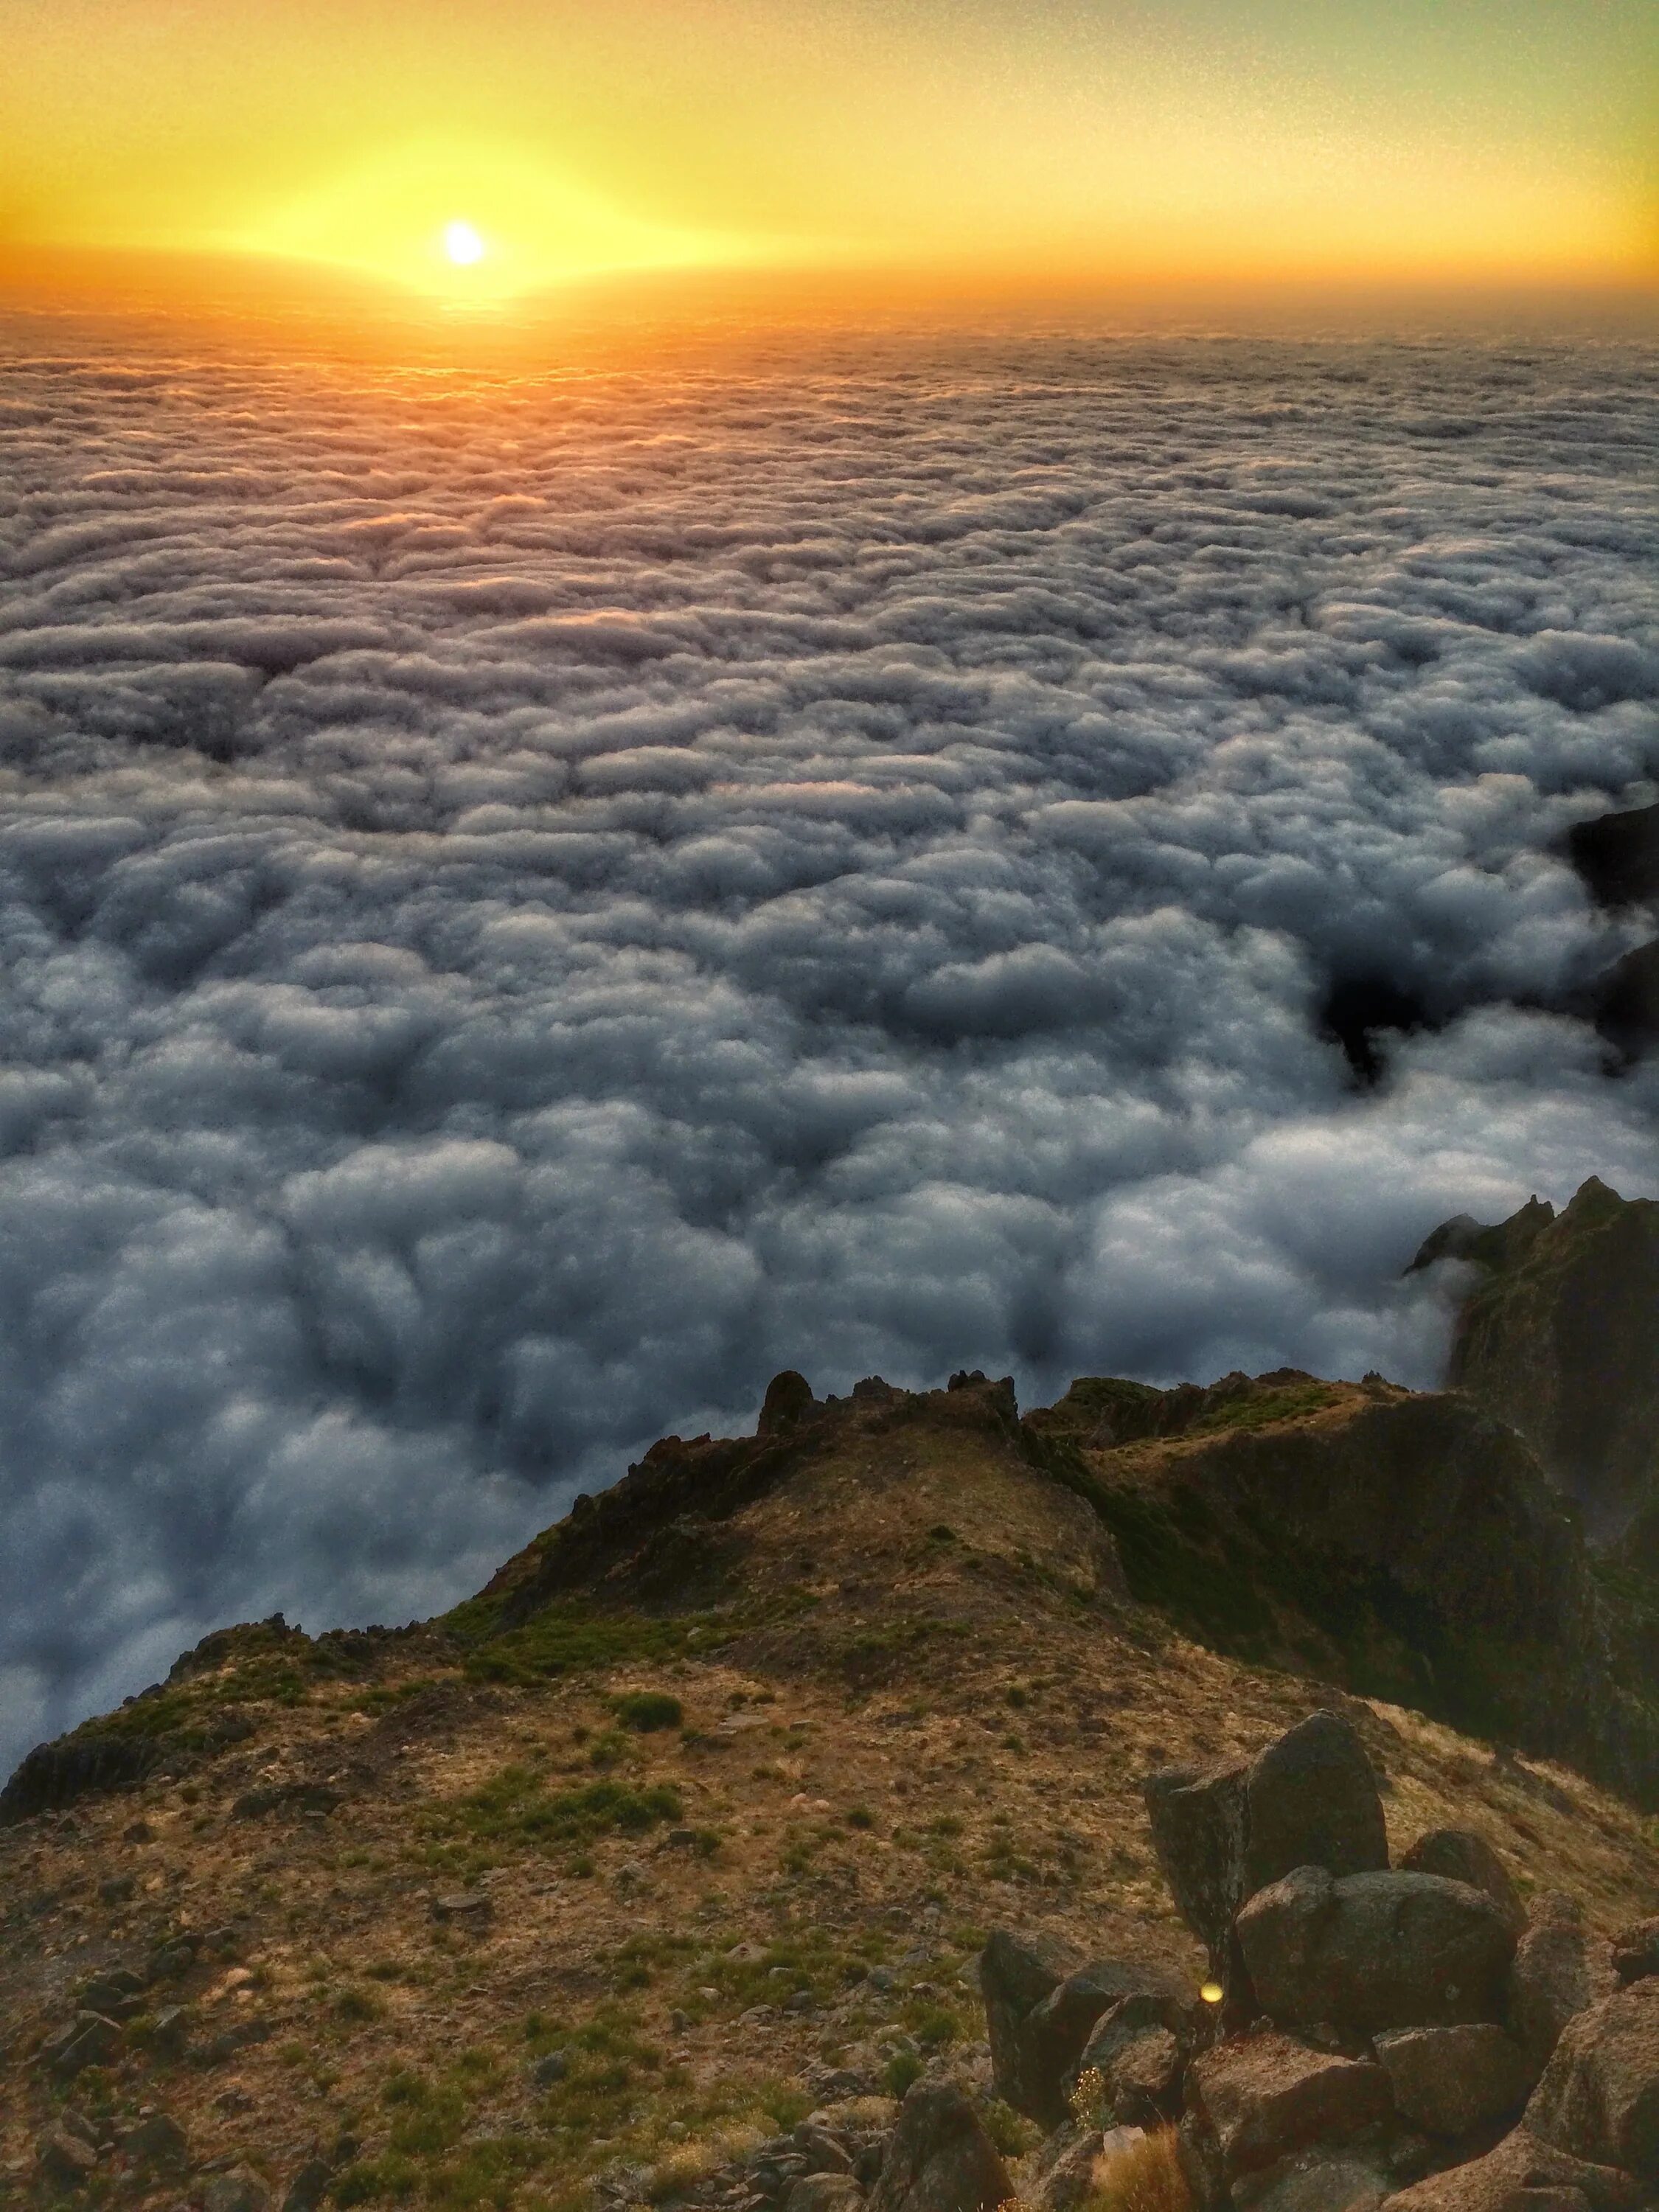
(1559, 1336)
(1310, 1799)
(1405, 2028)
(1409, 1547)
(1038, 2034)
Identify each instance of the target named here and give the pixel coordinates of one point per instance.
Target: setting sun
(463, 245)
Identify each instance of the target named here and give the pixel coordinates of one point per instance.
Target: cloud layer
(527, 905)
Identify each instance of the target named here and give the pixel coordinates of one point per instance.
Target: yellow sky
(1486, 141)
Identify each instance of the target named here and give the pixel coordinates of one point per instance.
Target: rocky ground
(589, 1894)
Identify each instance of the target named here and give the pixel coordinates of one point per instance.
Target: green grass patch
(514, 1808)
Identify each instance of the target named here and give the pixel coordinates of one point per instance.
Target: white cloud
(525, 908)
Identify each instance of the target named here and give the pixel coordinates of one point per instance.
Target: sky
(1048, 143)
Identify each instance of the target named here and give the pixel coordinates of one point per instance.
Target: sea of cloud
(528, 903)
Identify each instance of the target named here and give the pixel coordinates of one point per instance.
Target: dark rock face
(939, 2158)
(1458, 1855)
(1617, 855)
(1264, 2096)
(1560, 1337)
(54, 1775)
(1521, 2175)
(1310, 1799)
(1451, 2080)
(788, 1400)
(1371, 1952)
(1598, 2098)
(1627, 1002)
(1560, 1969)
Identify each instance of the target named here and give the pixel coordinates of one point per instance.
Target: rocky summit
(1239, 1797)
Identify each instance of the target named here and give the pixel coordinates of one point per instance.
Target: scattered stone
(91, 2040)
(1371, 1952)
(64, 2159)
(309, 2186)
(1264, 2096)
(1598, 2098)
(78, 2124)
(1636, 1951)
(1459, 1855)
(156, 2139)
(238, 2190)
(138, 1831)
(821, 2150)
(1451, 2080)
(117, 1888)
(170, 2030)
(1560, 1969)
(1520, 2175)
(468, 1908)
(171, 1959)
(939, 2158)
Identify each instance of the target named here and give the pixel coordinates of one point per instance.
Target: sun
(463, 245)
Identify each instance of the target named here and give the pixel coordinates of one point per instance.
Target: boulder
(1015, 1973)
(1041, 2054)
(155, 2139)
(1598, 2097)
(824, 2192)
(1069, 2181)
(1451, 2080)
(822, 2152)
(1318, 2180)
(1310, 1799)
(1636, 1951)
(1458, 1855)
(238, 2190)
(1263, 2097)
(1371, 1952)
(1141, 2081)
(90, 2040)
(63, 2159)
(939, 2158)
(309, 2186)
(1520, 2175)
(1559, 1968)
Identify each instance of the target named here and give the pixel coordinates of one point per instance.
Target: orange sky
(1014, 142)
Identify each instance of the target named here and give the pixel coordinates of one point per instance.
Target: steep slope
(709, 1798)
(1559, 1336)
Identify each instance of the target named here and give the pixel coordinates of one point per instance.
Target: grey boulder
(1598, 2097)
(1262, 2097)
(1371, 1952)
(939, 2158)
(1560, 1969)
(1451, 2080)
